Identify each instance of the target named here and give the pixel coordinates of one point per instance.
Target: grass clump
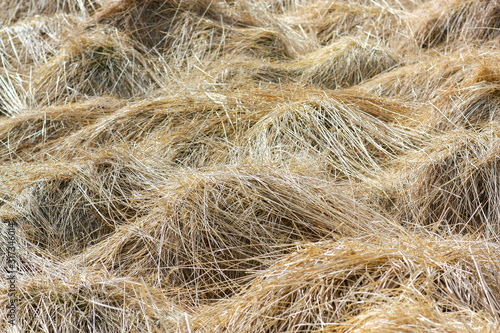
(26, 136)
(443, 22)
(416, 315)
(344, 63)
(93, 64)
(162, 159)
(69, 207)
(13, 11)
(152, 22)
(355, 134)
(452, 185)
(189, 129)
(473, 106)
(207, 231)
(329, 285)
(89, 302)
(426, 80)
(32, 42)
(329, 21)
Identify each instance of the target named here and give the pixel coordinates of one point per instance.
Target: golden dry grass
(207, 231)
(27, 136)
(90, 302)
(452, 184)
(332, 285)
(104, 62)
(344, 63)
(438, 22)
(251, 166)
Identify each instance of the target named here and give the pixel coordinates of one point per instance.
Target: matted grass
(206, 231)
(346, 62)
(161, 161)
(26, 136)
(354, 133)
(443, 22)
(66, 207)
(426, 80)
(453, 184)
(103, 62)
(331, 285)
(81, 301)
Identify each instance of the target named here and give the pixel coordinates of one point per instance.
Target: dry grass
(426, 80)
(355, 134)
(103, 62)
(443, 22)
(344, 63)
(67, 207)
(12, 97)
(29, 259)
(416, 315)
(161, 161)
(207, 231)
(81, 301)
(151, 21)
(329, 20)
(30, 133)
(453, 184)
(35, 40)
(469, 107)
(13, 11)
(190, 129)
(331, 285)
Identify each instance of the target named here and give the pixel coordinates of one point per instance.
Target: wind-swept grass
(251, 165)
(207, 231)
(344, 63)
(453, 184)
(332, 285)
(89, 302)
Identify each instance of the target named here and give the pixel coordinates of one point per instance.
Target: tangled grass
(89, 302)
(207, 231)
(453, 183)
(250, 166)
(333, 285)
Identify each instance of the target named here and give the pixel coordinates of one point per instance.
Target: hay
(33, 41)
(452, 185)
(346, 62)
(469, 107)
(57, 215)
(12, 97)
(26, 136)
(329, 20)
(330, 284)
(241, 71)
(416, 315)
(355, 134)
(82, 301)
(93, 64)
(438, 22)
(12, 11)
(274, 41)
(193, 33)
(69, 207)
(29, 259)
(207, 231)
(160, 151)
(190, 129)
(152, 22)
(424, 81)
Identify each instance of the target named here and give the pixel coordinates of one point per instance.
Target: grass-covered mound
(161, 161)
(206, 231)
(336, 286)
